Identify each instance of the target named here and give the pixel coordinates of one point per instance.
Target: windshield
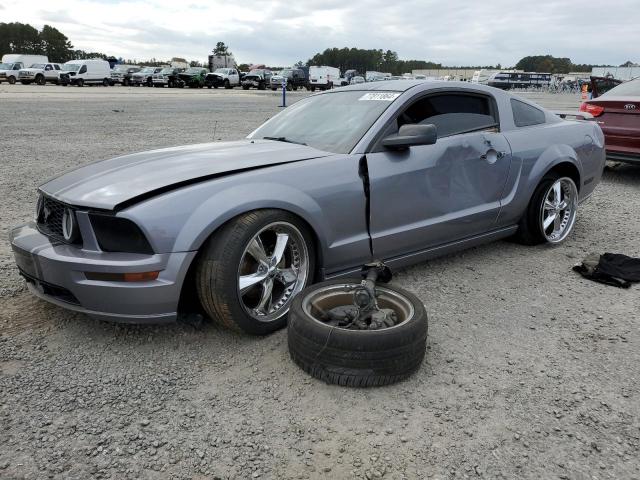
(6, 66)
(221, 70)
(166, 71)
(37, 65)
(285, 73)
(121, 68)
(193, 70)
(255, 72)
(333, 122)
(71, 67)
(627, 89)
(147, 70)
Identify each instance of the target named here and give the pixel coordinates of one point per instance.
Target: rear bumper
(56, 273)
(627, 157)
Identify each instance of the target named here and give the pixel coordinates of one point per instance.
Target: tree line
(551, 64)
(19, 37)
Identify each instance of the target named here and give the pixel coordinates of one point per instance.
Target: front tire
(40, 80)
(12, 80)
(250, 270)
(227, 84)
(551, 213)
(80, 82)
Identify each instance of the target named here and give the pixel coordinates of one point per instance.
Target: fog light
(122, 277)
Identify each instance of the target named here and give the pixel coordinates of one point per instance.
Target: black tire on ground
(105, 82)
(25, 82)
(313, 89)
(170, 84)
(274, 89)
(149, 82)
(262, 86)
(289, 87)
(529, 228)
(245, 87)
(80, 82)
(125, 82)
(217, 269)
(357, 358)
(227, 84)
(40, 80)
(12, 80)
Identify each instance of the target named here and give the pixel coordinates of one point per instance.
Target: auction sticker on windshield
(380, 96)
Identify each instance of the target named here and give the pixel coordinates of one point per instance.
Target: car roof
(404, 85)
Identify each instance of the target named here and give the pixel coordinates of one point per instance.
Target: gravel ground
(531, 371)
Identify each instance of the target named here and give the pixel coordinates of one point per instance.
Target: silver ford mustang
(397, 171)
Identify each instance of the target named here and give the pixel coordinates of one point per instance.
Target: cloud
(278, 32)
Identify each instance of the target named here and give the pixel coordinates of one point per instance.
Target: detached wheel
(551, 213)
(356, 358)
(251, 269)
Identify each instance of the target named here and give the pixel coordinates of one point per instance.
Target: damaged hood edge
(123, 181)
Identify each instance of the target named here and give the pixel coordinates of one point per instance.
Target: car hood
(108, 184)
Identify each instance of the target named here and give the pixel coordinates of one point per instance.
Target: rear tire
(245, 87)
(356, 358)
(80, 82)
(225, 259)
(105, 82)
(531, 229)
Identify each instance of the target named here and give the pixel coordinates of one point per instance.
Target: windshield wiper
(283, 139)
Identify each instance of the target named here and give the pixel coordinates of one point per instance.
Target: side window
(47, 68)
(57, 67)
(451, 113)
(83, 69)
(525, 115)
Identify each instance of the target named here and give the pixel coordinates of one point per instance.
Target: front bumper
(56, 272)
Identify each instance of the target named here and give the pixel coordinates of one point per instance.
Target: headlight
(69, 226)
(117, 234)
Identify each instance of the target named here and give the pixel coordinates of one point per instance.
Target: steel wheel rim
(325, 298)
(273, 269)
(558, 210)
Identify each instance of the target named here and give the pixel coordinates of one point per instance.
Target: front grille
(49, 217)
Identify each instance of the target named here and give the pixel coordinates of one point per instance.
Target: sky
(274, 32)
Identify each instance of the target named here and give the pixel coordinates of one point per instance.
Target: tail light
(595, 110)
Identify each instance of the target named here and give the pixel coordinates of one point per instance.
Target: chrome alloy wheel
(558, 212)
(274, 267)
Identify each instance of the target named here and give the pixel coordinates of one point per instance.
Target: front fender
(236, 200)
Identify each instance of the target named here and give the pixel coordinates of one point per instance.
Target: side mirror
(410, 135)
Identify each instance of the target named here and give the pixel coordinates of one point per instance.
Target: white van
(86, 72)
(12, 62)
(323, 78)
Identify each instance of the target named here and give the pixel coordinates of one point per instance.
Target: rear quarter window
(525, 115)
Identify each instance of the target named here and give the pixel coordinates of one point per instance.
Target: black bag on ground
(611, 269)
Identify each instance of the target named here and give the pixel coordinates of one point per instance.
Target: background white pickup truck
(40, 73)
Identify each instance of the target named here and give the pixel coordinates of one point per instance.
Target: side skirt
(428, 254)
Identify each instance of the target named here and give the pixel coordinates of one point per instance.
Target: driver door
(431, 195)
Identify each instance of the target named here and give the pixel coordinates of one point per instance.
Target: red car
(618, 114)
